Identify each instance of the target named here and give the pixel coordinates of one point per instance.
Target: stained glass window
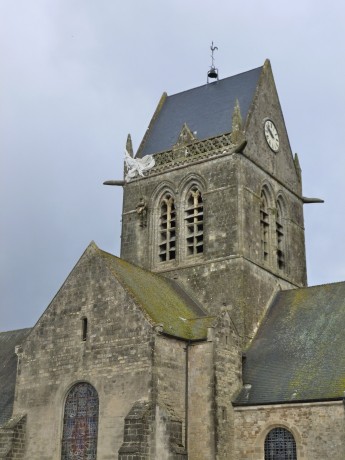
(80, 426)
(280, 445)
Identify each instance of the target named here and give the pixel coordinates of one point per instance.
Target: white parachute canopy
(138, 166)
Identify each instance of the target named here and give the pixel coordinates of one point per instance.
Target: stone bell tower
(220, 209)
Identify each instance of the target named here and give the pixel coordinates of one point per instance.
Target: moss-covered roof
(299, 351)
(163, 300)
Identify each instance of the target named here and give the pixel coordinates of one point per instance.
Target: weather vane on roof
(213, 72)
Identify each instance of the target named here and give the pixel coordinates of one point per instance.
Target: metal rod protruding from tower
(213, 72)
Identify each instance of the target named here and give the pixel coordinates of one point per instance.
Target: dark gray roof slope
(8, 370)
(207, 110)
(298, 353)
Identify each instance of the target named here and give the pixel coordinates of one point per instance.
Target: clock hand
(269, 129)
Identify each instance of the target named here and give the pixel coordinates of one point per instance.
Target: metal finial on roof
(213, 72)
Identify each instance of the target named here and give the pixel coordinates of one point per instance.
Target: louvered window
(194, 222)
(265, 227)
(167, 229)
(280, 445)
(80, 426)
(280, 237)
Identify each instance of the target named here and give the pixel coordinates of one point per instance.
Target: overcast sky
(78, 75)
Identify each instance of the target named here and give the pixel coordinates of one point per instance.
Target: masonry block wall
(318, 429)
(116, 358)
(169, 376)
(266, 105)
(137, 432)
(151, 433)
(12, 439)
(228, 381)
(230, 271)
(201, 407)
(169, 397)
(231, 181)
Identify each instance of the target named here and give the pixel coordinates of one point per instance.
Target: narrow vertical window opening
(84, 329)
(280, 237)
(194, 221)
(264, 226)
(167, 229)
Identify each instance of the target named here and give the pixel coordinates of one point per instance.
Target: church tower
(221, 209)
(142, 356)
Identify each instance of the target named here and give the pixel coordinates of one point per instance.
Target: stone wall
(116, 358)
(12, 438)
(201, 414)
(265, 106)
(231, 187)
(228, 381)
(137, 432)
(231, 180)
(318, 429)
(169, 376)
(253, 179)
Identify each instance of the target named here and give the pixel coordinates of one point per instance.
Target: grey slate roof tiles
(298, 353)
(8, 370)
(206, 109)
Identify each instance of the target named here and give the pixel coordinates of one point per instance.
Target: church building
(202, 341)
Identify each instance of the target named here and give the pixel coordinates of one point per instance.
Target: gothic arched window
(167, 229)
(280, 445)
(264, 227)
(80, 425)
(194, 222)
(280, 236)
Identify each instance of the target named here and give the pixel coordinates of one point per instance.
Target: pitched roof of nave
(298, 353)
(162, 299)
(8, 370)
(207, 110)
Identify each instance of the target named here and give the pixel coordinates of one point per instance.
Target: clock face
(271, 135)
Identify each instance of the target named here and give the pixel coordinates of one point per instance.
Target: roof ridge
(310, 287)
(161, 299)
(132, 264)
(206, 109)
(214, 82)
(326, 284)
(174, 285)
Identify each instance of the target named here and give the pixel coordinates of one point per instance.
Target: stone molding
(192, 152)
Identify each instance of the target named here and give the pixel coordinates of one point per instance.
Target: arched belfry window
(167, 229)
(80, 425)
(280, 236)
(194, 222)
(264, 227)
(280, 445)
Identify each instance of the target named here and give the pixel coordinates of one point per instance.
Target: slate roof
(8, 370)
(163, 300)
(298, 353)
(206, 109)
